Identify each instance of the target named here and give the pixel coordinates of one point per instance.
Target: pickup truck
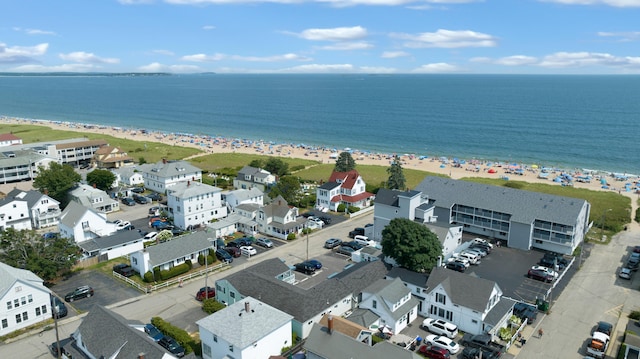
(482, 341)
(358, 231)
(597, 346)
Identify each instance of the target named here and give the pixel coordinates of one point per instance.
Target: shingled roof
(463, 289)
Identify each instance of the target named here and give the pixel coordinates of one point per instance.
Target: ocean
(571, 122)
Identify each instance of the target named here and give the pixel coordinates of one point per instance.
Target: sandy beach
(453, 168)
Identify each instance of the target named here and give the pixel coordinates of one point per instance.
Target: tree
(257, 163)
(288, 187)
(396, 175)
(276, 166)
(411, 244)
(345, 163)
(102, 179)
(56, 180)
(44, 257)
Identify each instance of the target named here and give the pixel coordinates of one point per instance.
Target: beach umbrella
(491, 170)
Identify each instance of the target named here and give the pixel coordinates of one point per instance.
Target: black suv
(456, 266)
(123, 269)
(305, 268)
(81, 292)
(172, 346)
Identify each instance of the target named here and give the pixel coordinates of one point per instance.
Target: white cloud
(579, 59)
(34, 31)
(614, 3)
(345, 46)
(622, 36)
(208, 27)
(516, 60)
(158, 67)
(317, 68)
(21, 54)
(394, 54)
(437, 68)
(87, 58)
(447, 39)
(219, 57)
(334, 34)
(58, 68)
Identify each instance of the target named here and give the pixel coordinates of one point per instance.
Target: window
(16, 303)
(374, 304)
(30, 298)
(44, 309)
(5, 323)
(441, 298)
(206, 350)
(232, 294)
(25, 316)
(9, 306)
(23, 300)
(231, 348)
(37, 311)
(215, 338)
(18, 318)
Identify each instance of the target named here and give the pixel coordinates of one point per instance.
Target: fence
(515, 335)
(148, 288)
(362, 212)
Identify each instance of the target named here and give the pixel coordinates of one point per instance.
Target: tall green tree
(289, 188)
(257, 163)
(345, 163)
(103, 179)
(277, 167)
(396, 175)
(45, 257)
(411, 244)
(56, 180)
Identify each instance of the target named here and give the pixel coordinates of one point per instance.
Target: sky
(321, 36)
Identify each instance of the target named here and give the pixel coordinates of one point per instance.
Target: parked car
(153, 332)
(604, 327)
(346, 250)
(124, 225)
(332, 243)
(633, 264)
(248, 251)
(482, 242)
(358, 231)
(549, 271)
(456, 266)
(353, 244)
(440, 327)
(128, 201)
(151, 236)
(264, 242)
(137, 190)
(443, 342)
(540, 275)
(141, 199)
(223, 256)
(474, 353)
(364, 241)
(58, 308)
(433, 352)
(305, 268)
(625, 273)
(161, 225)
(551, 259)
(234, 251)
(155, 196)
(123, 269)
(314, 262)
(81, 292)
(325, 219)
(525, 311)
(481, 247)
(205, 292)
(171, 345)
(245, 241)
(477, 250)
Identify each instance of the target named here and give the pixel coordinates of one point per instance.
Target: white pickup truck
(598, 344)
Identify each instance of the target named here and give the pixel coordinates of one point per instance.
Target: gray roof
(408, 276)
(392, 291)
(253, 172)
(180, 247)
(9, 275)
(241, 328)
(390, 197)
(524, 206)
(32, 197)
(329, 185)
(191, 189)
(117, 239)
(463, 289)
(259, 281)
(495, 315)
(364, 317)
(74, 212)
(243, 194)
(249, 207)
(105, 333)
(440, 229)
(20, 158)
(85, 193)
(277, 208)
(340, 346)
(170, 168)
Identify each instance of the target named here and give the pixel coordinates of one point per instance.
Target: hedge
(210, 306)
(181, 336)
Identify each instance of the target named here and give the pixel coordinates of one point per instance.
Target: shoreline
(454, 168)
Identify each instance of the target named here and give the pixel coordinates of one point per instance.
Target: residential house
(73, 151)
(105, 334)
(108, 157)
(272, 280)
(243, 196)
(391, 204)
(128, 176)
(14, 213)
(19, 165)
(44, 211)
(9, 139)
(346, 188)
(234, 222)
(158, 177)
(449, 236)
(24, 299)
(347, 327)
(82, 223)
(325, 342)
(118, 244)
(193, 204)
(249, 329)
(94, 198)
(249, 177)
(392, 302)
(278, 219)
(167, 255)
(523, 219)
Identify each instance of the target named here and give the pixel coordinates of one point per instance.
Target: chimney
(141, 356)
(164, 161)
(330, 324)
(247, 307)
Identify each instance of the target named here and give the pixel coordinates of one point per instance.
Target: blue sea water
(561, 121)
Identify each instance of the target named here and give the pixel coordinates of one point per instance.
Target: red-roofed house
(9, 139)
(347, 188)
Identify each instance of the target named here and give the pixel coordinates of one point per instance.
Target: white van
(364, 240)
(472, 258)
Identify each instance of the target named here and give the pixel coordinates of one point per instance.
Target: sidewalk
(529, 333)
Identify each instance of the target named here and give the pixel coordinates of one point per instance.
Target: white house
(118, 244)
(248, 329)
(128, 176)
(94, 198)
(391, 204)
(243, 196)
(21, 165)
(9, 139)
(24, 300)
(278, 219)
(82, 223)
(44, 211)
(449, 235)
(193, 204)
(250, 177)
(392, 301)
(164, 174)
(14, 213)
(346, 188)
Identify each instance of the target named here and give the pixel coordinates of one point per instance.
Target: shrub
(341, 208)
(210, 306)
(353, 209)
(148, 277)
(175, 271)
(180, 335)
(505, 334)
(635, 315)
(201, 259)
(622, 351)
(188, 263)
(291, 236)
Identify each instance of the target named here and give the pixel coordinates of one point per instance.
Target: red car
(434, 352)
(206, 292)
(234, 251)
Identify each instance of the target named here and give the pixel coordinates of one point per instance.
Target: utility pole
(206, 275)
(56, 314)
(307, 245)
